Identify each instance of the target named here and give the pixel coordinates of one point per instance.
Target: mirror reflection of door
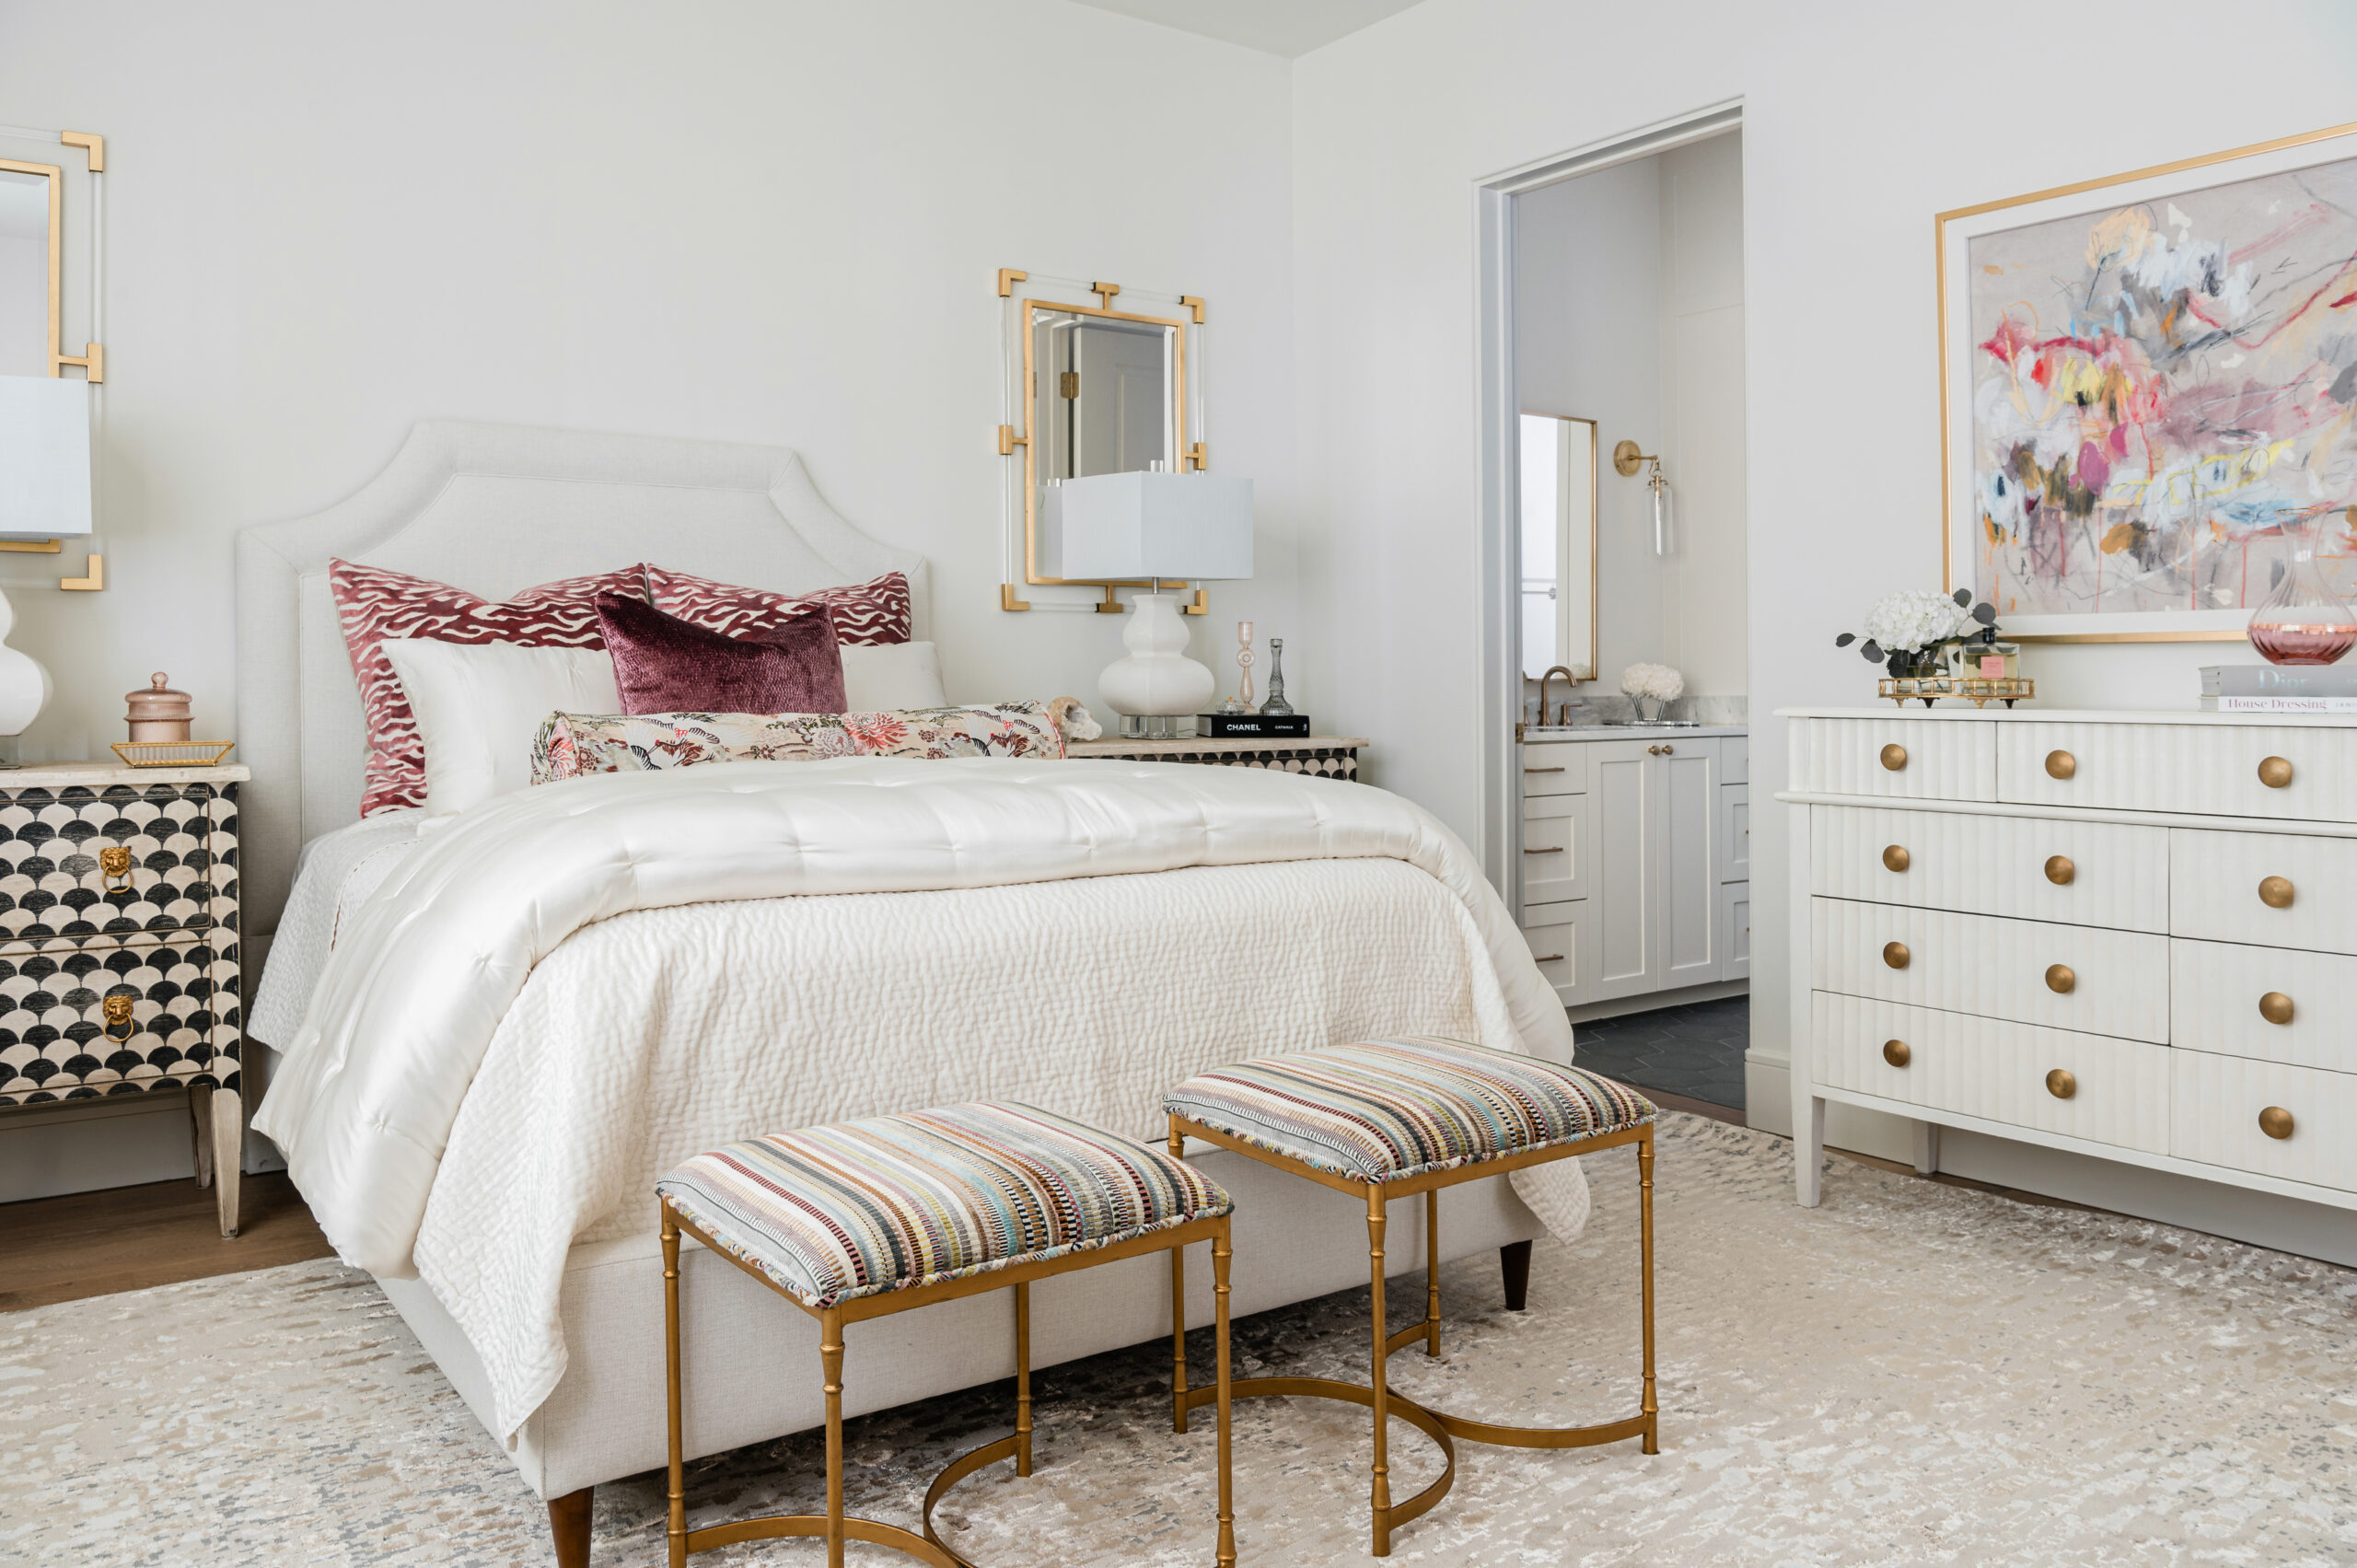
(24, 274)
(1558, 544)
(1103, 398)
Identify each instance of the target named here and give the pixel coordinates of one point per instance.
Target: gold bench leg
(1226, 1548)
(1652, 1407)
(1432, 1270)
(1380, 1496)
(676, 1533)
(1023, 1377)
(831, 1355)
(1178, 1308)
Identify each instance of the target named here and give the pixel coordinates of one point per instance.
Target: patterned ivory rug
(1915, 1373)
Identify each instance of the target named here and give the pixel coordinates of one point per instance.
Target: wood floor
(54, 1249)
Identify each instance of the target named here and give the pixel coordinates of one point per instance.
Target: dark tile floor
(1695, 1050)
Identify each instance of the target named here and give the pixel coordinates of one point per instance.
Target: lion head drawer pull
(1895, 1052)
(116, 1011)
(115, 861)
(1896, 858)
(2275, 1008)
(1896, 954)
(2059, 871)
(2060, 979)
(2275, 892)
(2060, 764)
(2275, 773)
(1894, 757)
(2061, 1083)
(2276, 1122)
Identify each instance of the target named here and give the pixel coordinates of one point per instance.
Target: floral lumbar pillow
(571, 745)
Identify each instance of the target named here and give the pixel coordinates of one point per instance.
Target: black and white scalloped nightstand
(1321, 756)
(119, 947)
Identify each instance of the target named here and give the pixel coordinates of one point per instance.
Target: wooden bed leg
(569, 1523)
(1514, 1262)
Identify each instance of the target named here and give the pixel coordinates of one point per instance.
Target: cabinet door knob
(2060, 764)
(1895, 1052)
(1652, 751)
(2275, 1008)
(2275, 774)
(2275, 1121)
(2060, 979)
(2059, 870)
(1896, 954)
(1669, 750)
(2275, 892)
(1894, 757)
(2061, 1083)
(1896, 858)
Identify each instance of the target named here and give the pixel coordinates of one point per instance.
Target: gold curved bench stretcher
(836, 1527)
(1377, 1394)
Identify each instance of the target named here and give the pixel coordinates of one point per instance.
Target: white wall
(1861, 121)
(1702, 441)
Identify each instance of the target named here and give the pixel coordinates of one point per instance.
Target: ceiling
(1275, 27)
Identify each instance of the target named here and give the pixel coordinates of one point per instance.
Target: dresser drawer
(1554, 769)
(1555, 848)
(2273, 888)
(2000, 968)
(2269, 1004)
(2080, 873)
(1994, 1070)
(2207, 769)
(1913, 758)
(2217, 1102)
(175, 1019)
(109, 863)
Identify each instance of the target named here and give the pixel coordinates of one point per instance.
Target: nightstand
(119, 946)
(1324, 756)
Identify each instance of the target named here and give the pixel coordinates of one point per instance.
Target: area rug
(1913, 1373)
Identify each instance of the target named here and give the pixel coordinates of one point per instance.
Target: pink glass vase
(2303, 620)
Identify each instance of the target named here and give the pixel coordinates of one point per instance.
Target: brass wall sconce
(1626, 460)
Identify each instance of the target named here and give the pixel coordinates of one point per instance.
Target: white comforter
(449, 1112)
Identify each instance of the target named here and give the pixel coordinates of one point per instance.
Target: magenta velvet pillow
(664, 665)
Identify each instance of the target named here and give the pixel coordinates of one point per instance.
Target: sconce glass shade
(44, 457)
(1665, 540)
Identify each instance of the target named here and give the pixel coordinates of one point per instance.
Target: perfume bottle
(2303, 620)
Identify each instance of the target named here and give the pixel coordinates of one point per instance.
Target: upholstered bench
(1390, 1118)
(860, 1219)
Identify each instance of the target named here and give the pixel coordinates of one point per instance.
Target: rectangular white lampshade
(1174, 525)
(44, 457)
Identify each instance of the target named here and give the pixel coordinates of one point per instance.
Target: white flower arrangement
(1656, 681)
(1913, 619)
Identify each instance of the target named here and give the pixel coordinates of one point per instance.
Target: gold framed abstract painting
(2148, 390)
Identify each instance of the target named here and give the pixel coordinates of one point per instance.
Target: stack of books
(2280, 688)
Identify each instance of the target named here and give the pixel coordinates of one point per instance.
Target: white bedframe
(497, 508)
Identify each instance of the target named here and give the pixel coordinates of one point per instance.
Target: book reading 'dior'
(2267, 689)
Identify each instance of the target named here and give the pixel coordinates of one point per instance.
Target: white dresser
(2132, 935)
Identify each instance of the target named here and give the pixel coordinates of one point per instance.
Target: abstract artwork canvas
(2151, 391)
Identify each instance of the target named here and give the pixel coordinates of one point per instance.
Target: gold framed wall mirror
(50, 304)
(1557, 534)
(1104, 387)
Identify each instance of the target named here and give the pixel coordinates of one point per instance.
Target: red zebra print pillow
(374, 604)
(869, 614)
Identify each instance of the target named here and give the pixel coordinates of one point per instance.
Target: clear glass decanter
(2303, 620)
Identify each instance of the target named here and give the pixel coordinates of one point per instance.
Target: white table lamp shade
(44, 458)
(1161, 525)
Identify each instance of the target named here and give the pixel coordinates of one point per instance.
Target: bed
(480, 1091)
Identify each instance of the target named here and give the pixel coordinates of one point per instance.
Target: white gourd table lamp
(1158, 528)
(44, 494)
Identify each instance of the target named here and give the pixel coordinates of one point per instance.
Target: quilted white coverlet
(572, 988)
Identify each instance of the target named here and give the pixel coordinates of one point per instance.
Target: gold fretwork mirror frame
(91, 361)
(1024, 302)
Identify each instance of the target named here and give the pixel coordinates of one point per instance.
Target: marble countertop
(1542, 735)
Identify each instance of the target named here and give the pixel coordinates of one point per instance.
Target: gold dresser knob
(1896, 954)
(1894, 756)
(2059, 870)
(2061, 1083)
(1894, 1052)
(2060, 979)
(2060, 764)
(2275, 1008)
(2275, 1121)
(1896, 858)
(2275, 892)
(2274, 773)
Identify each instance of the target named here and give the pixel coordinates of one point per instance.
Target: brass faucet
(1565, 713)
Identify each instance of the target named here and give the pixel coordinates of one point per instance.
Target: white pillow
(890, 676)
(479, 705)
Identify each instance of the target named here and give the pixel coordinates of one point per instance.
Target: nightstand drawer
(2223, 1109)
(2273, 888)
(2214, 770)
(2028, 867)
(109, 864)
(80, 1023)
(2072, 977)
(1912, 758)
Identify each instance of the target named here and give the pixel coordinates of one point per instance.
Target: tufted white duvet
(569, 988)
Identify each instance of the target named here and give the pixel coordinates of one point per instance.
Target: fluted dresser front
(2126, 935)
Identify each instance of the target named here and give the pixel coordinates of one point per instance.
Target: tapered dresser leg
(1927, 1148)
(199, 1122)
(1808, 1153)
(1514, 1262)
(569, 1523)
(228, 1154)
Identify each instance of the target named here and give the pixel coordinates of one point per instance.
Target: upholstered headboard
(493, 509)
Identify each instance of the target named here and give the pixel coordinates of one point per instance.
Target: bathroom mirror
(30, 293)
(1558, 537)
